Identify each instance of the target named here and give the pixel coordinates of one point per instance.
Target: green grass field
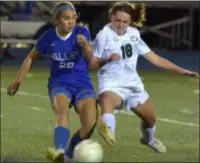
(27, 120)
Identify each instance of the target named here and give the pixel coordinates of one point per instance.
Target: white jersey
(120, 73)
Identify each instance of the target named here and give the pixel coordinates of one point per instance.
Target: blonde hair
(136, 11)
(140, 12)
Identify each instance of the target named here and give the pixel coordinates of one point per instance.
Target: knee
(61, 106)
(149, 122)
(59, 112)
(106, 103)
(103, 101)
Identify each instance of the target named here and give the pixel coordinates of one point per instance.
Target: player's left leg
(143, 107)
(86, 107)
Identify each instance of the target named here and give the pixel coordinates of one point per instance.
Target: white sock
(66, 158)
(109, 119)
(148, 134)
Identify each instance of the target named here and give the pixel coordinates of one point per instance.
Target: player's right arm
(39, 49)
(24, 69)
(98, 60)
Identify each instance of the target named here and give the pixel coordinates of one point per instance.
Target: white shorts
(132, 97)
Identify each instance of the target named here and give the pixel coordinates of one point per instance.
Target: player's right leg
(108, 100)
(60, 99)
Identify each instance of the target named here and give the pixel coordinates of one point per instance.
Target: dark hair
(62, 4)
(136, 11)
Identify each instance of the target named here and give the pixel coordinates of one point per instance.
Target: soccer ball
(88, 151)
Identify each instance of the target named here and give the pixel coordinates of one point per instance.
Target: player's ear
(110, 14)
(55, 21)
(77, 16)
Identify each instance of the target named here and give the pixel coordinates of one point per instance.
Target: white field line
(29, 75)
(196, 91)
(27, 94)
(164, 120)
(186, 111)
(121, 112)
(37, 109)
(194, 80)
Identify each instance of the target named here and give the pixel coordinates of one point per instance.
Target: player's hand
(191, 73)
(115, 57)
(81, 40)
(13, 88)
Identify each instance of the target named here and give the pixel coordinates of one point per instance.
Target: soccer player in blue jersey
(68, 46)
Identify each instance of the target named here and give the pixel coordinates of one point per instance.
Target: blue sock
(74, 141)
(61, 137)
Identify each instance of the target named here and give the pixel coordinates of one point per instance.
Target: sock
(148, 133)
(109, 119)
(61, 137)
(74, 141)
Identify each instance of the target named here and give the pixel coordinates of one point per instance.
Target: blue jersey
(68, 63)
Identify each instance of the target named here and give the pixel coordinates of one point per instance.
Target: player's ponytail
(139, 15)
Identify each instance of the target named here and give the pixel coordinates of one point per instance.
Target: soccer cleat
(106, 133)
(156, 145)
(54, 155)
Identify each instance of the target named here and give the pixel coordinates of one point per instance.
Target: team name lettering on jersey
(65, 56)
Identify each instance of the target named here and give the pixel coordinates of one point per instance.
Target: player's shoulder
(133, 31)
(105, 32)
(48, 33)
(81, 28)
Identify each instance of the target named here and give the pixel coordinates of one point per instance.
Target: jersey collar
(61, 37)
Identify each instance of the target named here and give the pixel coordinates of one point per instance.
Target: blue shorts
(74, 94)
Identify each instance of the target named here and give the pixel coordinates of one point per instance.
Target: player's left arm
(84, 40)
(155, 59)
(168, 65)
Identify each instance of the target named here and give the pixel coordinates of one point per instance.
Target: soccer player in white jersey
(116, 50)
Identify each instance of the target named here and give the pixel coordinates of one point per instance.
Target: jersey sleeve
(142, 47)
(99, 44)
(42, 45)
(85, 32)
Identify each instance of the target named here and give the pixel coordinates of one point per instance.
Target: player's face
(67, 21)
(120, 21)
